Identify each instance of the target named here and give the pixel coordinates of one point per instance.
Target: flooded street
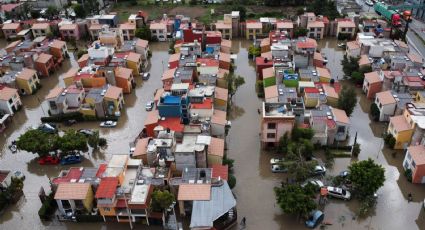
(255, 182)
(24, 214)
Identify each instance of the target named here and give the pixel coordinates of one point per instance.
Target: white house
(386, 104)
(10, 102)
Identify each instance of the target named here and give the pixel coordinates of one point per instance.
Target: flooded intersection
(255, 182)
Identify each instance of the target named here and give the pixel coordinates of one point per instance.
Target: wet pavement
(255, 182)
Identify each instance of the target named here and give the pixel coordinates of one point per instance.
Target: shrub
(260, 88)
(47, 208)
(408, 174)
(102, 142)
(63, 117)
(389, 140)
(374, 112)
(356, 149)
(232, 181)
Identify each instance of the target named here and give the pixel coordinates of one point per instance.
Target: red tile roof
(101, 170)
(206, 104)
(207, 62)
(221, 171)
(73, 173)
(311, 90)
(107, 187)
(172, 123)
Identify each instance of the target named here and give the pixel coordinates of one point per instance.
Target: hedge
(76, 116)
(269, 82)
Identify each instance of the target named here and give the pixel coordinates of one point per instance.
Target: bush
(229, 162)
(232, 181)
(356, 149)
(63, 117)
(102, 142)
(374, 112)
(48, 208)
(260, 88)
(389, 140)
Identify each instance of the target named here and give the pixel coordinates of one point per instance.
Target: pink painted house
(372, 84)
(70, 32)
(415, 161)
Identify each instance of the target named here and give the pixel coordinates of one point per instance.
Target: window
(107, 209)
(52, 105)
(413, 164)
(380, 105)
(10, 101)
(271, 135)
(319, 29)
(341, 129)
(343, 30)
(409, 157)
(71, 32)
(271, 125)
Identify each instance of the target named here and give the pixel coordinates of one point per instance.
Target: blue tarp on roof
(172, 100)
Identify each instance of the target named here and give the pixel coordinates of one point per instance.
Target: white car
(149, 106)
(108, 124)
(317, 183)
(276, 160)
(319, 170)
(145, 76)
(278, 169)
(369, 2)
(339, 193)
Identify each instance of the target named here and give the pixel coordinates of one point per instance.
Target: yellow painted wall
(419, 98)
(104, 212)
(212, 159)
(88, 202)
(25, 85)
(222, 83)
(324, 79)
(88, 112)
(332, 101)
(403, 137)
(310, 102)
(134, 66)
(220, 103)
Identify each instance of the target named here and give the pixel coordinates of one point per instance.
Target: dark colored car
(71, 159)
(49, 160)
(316, 217)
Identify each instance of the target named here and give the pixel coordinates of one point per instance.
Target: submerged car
(276, 160)
(49, 160)
(319, 170)
(278, 169)
(338, 193)
(316, 217)
(71, 159)
(317, 183)
(108, 124)
(149, 106)
(145, 76)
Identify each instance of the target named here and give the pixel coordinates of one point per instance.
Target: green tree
(374, 111)
(37, 142)
(350, 65)
(161, 200)
(231, 181)
(300, 32)
(389, 140)
(356, 149)
(293, 199)
(79, 10)
(72, 140)
(367, 177)
(283, 143)
(91, 6)
(357, 77)
(93, 140)
(347, 100)
(301, 133)
(254, 51)
(144, 33)
(233, 83)
(52, 12)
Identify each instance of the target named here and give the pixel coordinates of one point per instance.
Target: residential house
(304, 52)
(94, 103)
(316, 29)
(276, 120)
(140, 19)
(58, 49)
(94, 31)
(70, 32)
(415, 114)
(221, 97)
(11, 30)
(352, 49)
(74, 197)
(128, 31)
(224, 28)
(386, 104)
(253, 29)
(331, 94)
(10, 102)
(265, 45)
(124, 79)
(225, 46)
(342, 124)
(114, 100)
(311, 97)
(134, 62)
(271, 94)
(61, 100)
(173, 61)
(27, 81)
(44, 64)
(168, 78)
(224, 61)
(324, 74)
(372, 84)
(318, 60)
(40, 29)
(106, 196)
(218, 123)
(365, 61)
(142, 48)
(415, 161)
(287, 26)
(159, 30)
(401, 130)
(260, 64)
(216, 151)
(346, 28)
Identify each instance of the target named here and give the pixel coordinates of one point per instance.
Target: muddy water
(24, 214)
(392, 211)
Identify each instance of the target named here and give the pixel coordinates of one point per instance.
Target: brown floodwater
(255, 182)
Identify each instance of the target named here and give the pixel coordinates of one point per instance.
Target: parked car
(339, 193)
(342, 45)
(49, 160)
(108, 124)
(87, 132)
(145, 76)
(369, 2)
(276, 160)
(149, 106)
(13, 147)
(325, 60)
(278, 169)
(344, 173)
(71, 159)
(319, 170)
(315, 182)
(48, 128)
(316, 217)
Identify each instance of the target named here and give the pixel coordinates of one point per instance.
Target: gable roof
(400, 124)
(107, 187)
(194, 192)
(372, 77)
(72, 191)
(418, 154)
(340, 116)
(216, 147)
(385, 97)
(26, 74)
